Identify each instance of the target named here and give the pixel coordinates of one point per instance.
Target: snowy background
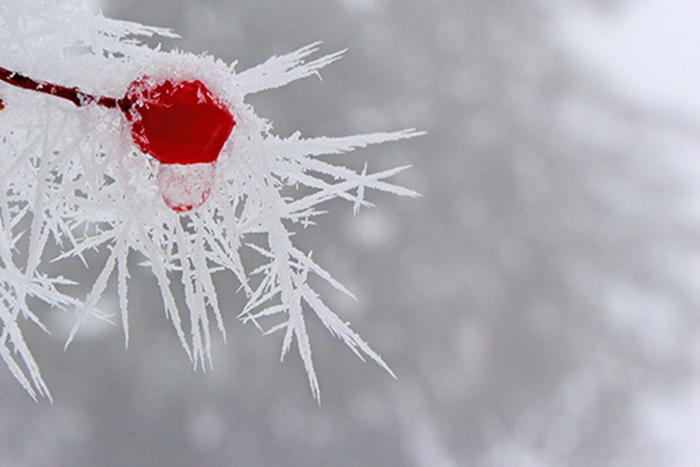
(539, 303)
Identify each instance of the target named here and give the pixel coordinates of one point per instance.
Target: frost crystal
(72, 176)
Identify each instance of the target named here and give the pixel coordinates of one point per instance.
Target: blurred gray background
(539, 303)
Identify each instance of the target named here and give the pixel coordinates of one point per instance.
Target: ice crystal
(72, 177)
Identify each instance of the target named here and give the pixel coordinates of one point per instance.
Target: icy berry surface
(185, 187)
(177, 123)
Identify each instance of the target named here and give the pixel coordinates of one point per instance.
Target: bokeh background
(540, 303)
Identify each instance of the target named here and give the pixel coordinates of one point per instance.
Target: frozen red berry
(177, 122)
(183, 127)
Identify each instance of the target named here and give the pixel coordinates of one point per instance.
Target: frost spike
(279, 71)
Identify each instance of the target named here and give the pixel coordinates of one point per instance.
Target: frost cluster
(72, 179)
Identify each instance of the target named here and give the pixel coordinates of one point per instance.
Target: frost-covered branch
(84, 178)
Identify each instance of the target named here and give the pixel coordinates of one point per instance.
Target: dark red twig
(75, 95)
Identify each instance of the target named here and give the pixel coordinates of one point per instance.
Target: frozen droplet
(185, 187)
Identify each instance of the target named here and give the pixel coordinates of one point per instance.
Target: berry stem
(75, 95)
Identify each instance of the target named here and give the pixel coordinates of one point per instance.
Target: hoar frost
(73, 176)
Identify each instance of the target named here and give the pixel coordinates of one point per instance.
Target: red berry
(177, 123)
